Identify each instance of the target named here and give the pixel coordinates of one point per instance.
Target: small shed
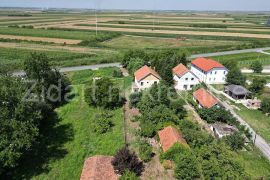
(169, 136)
(221, 129)
(237, 92)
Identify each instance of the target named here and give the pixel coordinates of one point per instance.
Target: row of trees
(26, 104)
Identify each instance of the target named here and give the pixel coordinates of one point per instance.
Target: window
(147, 82)
(191, 86)
(186, 79)
(210, 79)
(185, 87)
(216, 72)
(141, 83)
(155, 82)
(192, 79)
(224, 72)
(214, 79)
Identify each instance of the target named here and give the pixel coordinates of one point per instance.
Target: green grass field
(77, 118)
(257, 120)
(246, 59)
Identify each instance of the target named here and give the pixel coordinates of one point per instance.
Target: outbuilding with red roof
(183, 78)
(170, 136)
(98, 168)
(145, 77)
(205, 99)
(209, 71)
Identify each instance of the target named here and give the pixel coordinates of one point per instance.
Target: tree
(257, 85)
(125, 160)
(236, 77)
(103, 93)
(135, 64)
(133, 54)
(19, 121)
(265, 107)
(235, 141)
(268, 23)
(213, 115)
(51, 86)
(256, 66)
(187, 167)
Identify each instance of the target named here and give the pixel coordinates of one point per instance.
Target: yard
(72, 139)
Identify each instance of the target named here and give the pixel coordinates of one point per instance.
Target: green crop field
(246, 59)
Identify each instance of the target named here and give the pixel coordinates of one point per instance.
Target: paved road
(78, 68)
(260, 143)
(230, 52)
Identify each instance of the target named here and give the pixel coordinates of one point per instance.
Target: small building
(237, 92)
(221, 129)
(209, 71)
(183, 78)
(169, 136)
(205, 99)
(145, 77)
(98, 168)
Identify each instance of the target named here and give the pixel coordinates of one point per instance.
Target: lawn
(78, 141)
(246, 59)
(257, 120)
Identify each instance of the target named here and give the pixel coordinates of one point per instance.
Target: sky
(231, 5)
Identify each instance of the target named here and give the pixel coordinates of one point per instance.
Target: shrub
(265, 105)
(173, 153)
(235, 141)
(128, 175)
(134, 99)
(125, 160)
(147, 129)
(257, 85)
(102, 123)
(145, 151)
(187, 167)
(117, 73)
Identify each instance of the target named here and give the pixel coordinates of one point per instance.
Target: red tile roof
(169, 136)
(98, 168)
(205, 99)
(180, 70)
(144, 72)
(206, 64)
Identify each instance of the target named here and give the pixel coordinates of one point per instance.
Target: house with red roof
(98, 168)
(205, 99)
(145, 77)
(209, 71)
(184, 79)
(169, 136)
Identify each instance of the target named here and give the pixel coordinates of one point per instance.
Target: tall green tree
(257, 85)
(236, 77)
(266, 105)
(51, 86)
(19, 121)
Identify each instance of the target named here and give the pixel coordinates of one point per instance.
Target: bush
(128, 175)
(257, 85)
(173, 153)
(117, 73)
(265, 105)
(102, 123)
(125, 160)
(134, 99)
(235, 141)
(187, 167)
(145, 151)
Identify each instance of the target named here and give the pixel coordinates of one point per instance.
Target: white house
(183, 78)
(209, 71)
(145, 77)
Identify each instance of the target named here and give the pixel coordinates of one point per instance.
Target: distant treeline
(20, 15)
